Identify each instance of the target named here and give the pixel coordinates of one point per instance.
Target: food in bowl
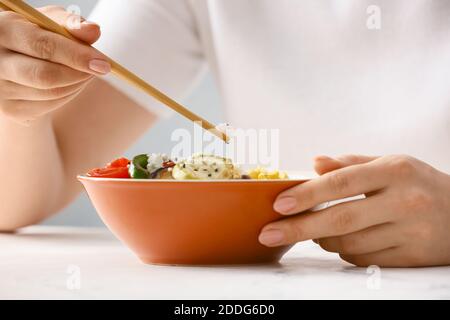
(203, 210)
(260, 173)
(197, 167)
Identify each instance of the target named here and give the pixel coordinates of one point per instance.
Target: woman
(336, 77)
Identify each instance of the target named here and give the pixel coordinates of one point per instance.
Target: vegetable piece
(138, 167)
(165, 174)
(120, 173)
(169, 164)
(119, 163)
(162, 173)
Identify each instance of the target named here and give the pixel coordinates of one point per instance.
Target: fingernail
(100, 66)
(89, 23)
(271, 238)
(285, 205)
(322, 158)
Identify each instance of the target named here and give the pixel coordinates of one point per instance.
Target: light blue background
(204, 101)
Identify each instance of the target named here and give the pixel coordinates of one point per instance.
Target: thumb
(86, 31)
(324, 164)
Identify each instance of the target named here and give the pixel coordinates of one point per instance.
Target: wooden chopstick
(46, 23)
(3, 7)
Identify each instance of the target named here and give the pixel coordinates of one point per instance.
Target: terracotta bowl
(190, 222)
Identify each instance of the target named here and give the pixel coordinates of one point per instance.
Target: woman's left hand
(403, 221)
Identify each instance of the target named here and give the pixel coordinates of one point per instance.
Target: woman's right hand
(41, 71)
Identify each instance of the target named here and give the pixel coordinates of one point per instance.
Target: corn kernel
(262, 174)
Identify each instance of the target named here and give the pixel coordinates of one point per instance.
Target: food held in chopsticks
(197, 167)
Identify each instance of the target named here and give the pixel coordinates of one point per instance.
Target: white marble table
(79, 263)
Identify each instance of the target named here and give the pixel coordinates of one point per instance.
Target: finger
(324, 164)
(86, 31)
(346, 182)
(14, 91)
(37, 73)
(23, 111)
(393, 257)
(340, 219)
(366, 241)
(29, 39)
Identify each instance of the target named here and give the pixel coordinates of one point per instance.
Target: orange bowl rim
(87, 178)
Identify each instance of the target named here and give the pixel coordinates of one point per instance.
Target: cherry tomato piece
(119, 163)
(120, 173)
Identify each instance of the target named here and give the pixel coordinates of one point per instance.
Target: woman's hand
(41, 71)
(403, 221)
